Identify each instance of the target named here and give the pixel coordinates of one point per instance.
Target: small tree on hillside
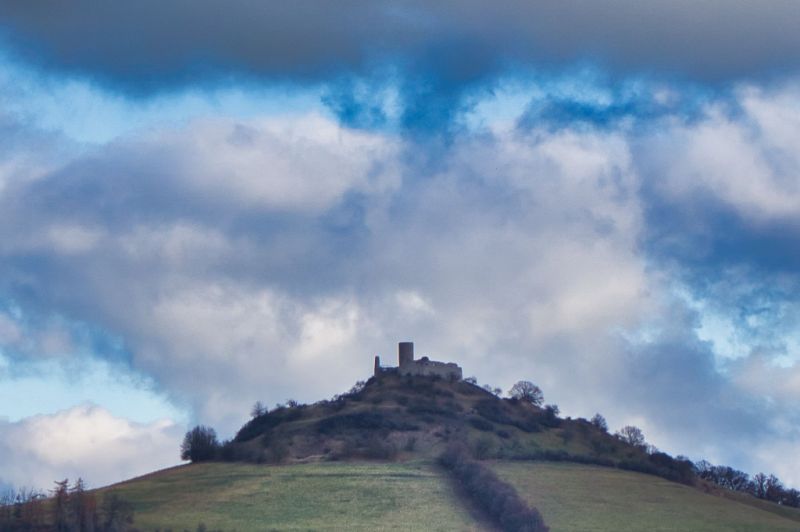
(527, 391)
(199, 444)
(599, 422)
(259, 409)
(631, 435)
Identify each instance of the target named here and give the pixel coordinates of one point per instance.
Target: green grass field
(414, 496)
(573, 497)
(320, 496)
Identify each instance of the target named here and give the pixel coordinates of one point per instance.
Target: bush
(498, 499)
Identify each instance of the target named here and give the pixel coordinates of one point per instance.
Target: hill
(425, 453)
(367, 460)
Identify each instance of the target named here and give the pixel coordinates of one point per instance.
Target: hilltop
(395, 417)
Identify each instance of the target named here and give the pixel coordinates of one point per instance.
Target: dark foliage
(659, 464)
(69, 509)
(431, 408)
(508, 413)
(527, 391)
(361, 421)
(564, 456)
(266, 422)
(200, 444)
(662, 465)
(600, 422)
(767, 487)
(498, 499)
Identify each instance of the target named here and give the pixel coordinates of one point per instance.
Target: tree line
(69, 508)
(760, 485)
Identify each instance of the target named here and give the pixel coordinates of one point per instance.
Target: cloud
(85, 441)
(267, 259)
(151, 45)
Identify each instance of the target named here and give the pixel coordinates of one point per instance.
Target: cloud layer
(151, 44)
(600, 197)
(263, 259)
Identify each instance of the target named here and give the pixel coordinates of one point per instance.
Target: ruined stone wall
(430, 368)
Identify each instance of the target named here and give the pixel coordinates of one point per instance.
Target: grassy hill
(585, 497)
(366, 460)
(417, 496)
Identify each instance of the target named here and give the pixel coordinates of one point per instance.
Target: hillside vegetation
(403, 417)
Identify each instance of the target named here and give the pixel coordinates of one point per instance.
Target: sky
(204, 204)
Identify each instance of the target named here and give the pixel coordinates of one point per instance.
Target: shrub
(498, 499)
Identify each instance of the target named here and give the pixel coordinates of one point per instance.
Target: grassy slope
(578, 497)
(329, 496)
(412, 496)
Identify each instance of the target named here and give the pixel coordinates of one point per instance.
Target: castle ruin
(406, 365)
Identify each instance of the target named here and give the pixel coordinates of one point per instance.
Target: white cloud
(85, 441)
(747, 157)
(296, 164)
(271, 259)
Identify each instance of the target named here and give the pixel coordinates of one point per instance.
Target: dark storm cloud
(147, 45)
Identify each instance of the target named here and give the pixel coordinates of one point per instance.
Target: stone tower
(405, 353)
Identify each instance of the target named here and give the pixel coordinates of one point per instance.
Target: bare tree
(631, 435)
(527, 391)
(760, 485)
